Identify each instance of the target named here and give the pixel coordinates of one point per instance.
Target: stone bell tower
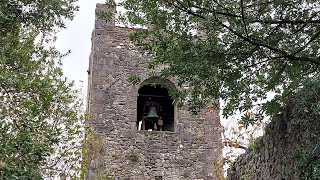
(141, 133)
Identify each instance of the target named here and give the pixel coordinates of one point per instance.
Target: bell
(152, 114)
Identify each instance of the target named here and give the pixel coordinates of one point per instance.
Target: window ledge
(156, 132)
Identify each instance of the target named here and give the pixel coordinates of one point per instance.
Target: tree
(236, 51)
(40, 114)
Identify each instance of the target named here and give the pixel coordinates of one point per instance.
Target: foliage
(133, 157)
(254, 146)
(305, 118)
(93, 149)
(219, 171)
(246, 174)
(134, 79)
(236, 51)
(235, 137)
(40, 122)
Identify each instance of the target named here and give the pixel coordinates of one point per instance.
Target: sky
(77, 38)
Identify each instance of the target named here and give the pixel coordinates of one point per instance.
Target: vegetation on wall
(304, 123)
(290, 147)
(40, 114)
(92, 151)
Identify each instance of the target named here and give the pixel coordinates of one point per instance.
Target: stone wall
(271, 156)
(125, 152)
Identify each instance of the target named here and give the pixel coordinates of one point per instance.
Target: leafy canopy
(236, 51)
(39, 111)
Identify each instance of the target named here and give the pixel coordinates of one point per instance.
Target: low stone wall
(270, 156)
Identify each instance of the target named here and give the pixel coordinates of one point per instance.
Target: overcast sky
(77, 38)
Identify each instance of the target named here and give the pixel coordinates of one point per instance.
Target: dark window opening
(155, 109)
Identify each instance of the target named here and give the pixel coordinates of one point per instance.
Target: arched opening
(155, 109)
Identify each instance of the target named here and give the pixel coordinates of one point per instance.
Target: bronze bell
(152, 114)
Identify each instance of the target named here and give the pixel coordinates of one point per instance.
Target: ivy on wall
(304, 123)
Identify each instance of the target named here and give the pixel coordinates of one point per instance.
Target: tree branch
(252, 41)
(311, 39)
(257, 43)
(242, 17)
(188, 10)
(218, 12)
(304, 25)
(286, 21)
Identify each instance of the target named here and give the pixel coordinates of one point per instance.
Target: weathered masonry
(142, 133)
